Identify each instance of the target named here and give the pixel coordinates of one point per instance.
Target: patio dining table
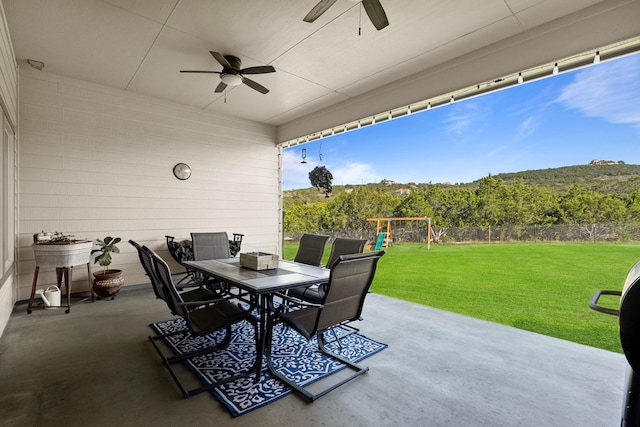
(261, 284)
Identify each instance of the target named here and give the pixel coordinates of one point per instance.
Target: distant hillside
(612, 177)
(607, 178)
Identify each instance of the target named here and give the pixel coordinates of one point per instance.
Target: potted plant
(107, 283)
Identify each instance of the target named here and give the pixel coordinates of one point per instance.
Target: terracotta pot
(107, 283)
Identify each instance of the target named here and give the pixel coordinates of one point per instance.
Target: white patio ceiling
(327, 74)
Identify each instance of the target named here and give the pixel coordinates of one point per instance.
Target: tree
(633, 205)
(580, 206)
(351, 210)
(490, 197)
(460, 208)
(447, 207)
(416, 204)
(528, 204)
(301, 218)
(490, 201)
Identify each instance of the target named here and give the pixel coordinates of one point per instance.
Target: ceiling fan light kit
(231, 79)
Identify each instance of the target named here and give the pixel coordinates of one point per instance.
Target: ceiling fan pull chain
(360, 21)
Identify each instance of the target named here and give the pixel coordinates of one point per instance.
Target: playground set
(385, 238)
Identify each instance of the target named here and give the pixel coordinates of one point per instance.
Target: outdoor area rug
(294, 356)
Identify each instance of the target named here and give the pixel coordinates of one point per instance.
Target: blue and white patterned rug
(294, 356)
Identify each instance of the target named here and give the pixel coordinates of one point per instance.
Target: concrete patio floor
(95, 367)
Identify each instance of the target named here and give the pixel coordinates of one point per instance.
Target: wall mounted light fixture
(38, 65)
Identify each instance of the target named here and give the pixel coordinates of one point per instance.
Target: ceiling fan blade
(254, 85)
(200, 71)
(376, 13)
(318, 10)
(221, 86)
(221, 59)
(263, 69)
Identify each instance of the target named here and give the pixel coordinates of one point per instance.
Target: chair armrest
(202, 302)
(200, 284)
(297, 301)
(189, 285)
(593, 304)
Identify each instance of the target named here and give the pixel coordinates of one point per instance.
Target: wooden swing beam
(389, 239)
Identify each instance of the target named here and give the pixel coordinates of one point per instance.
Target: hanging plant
(321, 178)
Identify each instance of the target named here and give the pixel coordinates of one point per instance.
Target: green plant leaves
(107, 247)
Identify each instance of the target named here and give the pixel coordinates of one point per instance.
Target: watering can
(50, 296)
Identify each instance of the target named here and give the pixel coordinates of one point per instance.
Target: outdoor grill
(629, 322)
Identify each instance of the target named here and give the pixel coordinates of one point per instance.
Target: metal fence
(622, 232)
(546, 233)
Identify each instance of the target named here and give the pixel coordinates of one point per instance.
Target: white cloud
(527, 127)
(610, 91)
(353, 173)
(463, 116)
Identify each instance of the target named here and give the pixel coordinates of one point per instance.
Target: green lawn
(540, 287)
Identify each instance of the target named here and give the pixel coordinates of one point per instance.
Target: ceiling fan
(372, 7)
(232, 75)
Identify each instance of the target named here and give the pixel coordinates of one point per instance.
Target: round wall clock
(182, 171)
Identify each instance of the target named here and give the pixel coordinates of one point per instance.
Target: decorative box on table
(259, 260)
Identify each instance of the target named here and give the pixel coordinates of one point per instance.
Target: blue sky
(564, 120)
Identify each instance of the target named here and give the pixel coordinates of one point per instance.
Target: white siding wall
(96, 161)
(8, 120)
(8, 76)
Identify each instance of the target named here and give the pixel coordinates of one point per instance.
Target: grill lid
(629, 317)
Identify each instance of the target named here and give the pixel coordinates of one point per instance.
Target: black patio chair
(189, 293)
(181, 251)
(201, 318)
(349, 282)
(184, 251)
(235, 244)
(341, 246)
(210, 245)
(311, 249)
